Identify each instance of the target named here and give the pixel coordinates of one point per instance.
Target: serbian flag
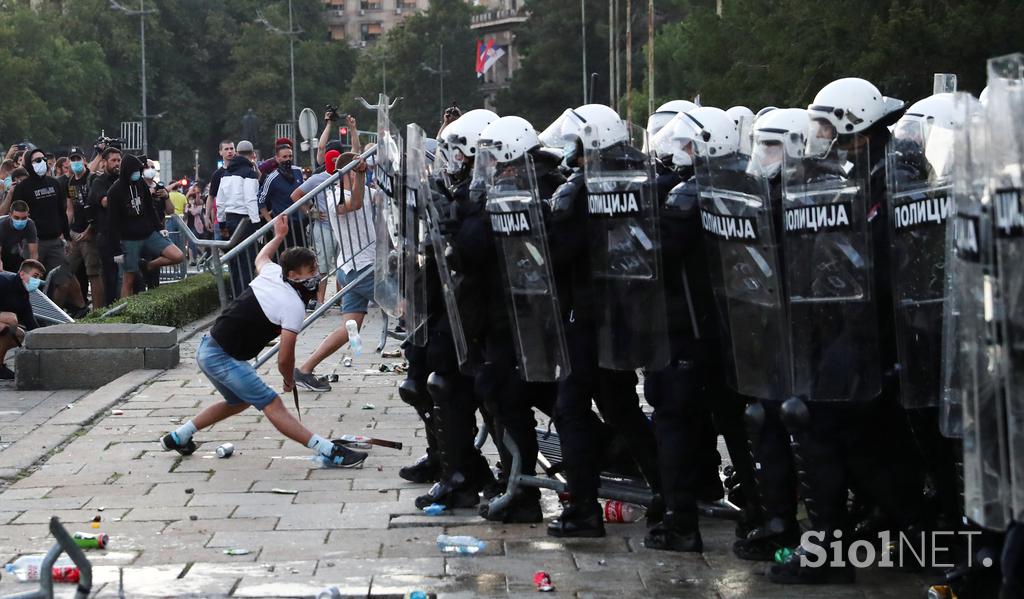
(487, 55)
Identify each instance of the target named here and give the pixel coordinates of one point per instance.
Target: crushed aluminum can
(225, 450)
(347, 361)
(542, 580)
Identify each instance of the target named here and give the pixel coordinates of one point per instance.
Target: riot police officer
(608, 334)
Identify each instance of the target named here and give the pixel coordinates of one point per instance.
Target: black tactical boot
(452, 492)
(761, 543)
(427, 469)
(675, 532)
(581, 519)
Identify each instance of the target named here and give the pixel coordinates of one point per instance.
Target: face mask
(77, 167)
(136, 176)
(40, 168)
(287, 164)
(33, 284)
(306, 288)
(149, 173)
(8, 181)
(19, 224)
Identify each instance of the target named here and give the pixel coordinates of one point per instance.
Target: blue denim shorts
(155, 245)
(357, 299)
(235, 379)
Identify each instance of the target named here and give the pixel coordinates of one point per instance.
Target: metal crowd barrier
(314, 223)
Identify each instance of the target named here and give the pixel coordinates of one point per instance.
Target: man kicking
(273, 304)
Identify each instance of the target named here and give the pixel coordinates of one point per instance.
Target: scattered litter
(329, 593)
(601, 562)
(382, 491)
(542, 580)
(116, 520)
(285, 491)
(380, 468)
(346, 362)
(384, 368)
(225, 450)
(434, 509)
(100, 509)
(660, 564)
(399, 368)
(87, 540)
(332, 378)
(70, 405)
(416, 595)
(193, 517)
(96, 522)
(391, 354)
(369, 406)
(189, 490)
(117, 412)
(459, 545)
(237, 552)
(293, 570)
(330, 564)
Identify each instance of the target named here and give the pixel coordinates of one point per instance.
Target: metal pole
(142, 32)
(650, 56)
(440, 72)
(583, 37)
(629, 60)
(611, 55)
(291, 56)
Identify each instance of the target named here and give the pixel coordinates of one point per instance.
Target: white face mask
(149, 173)
(40, 168)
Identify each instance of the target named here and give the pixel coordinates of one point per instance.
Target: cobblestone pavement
(171, 519)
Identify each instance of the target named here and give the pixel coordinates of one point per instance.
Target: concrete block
(162, 358)
(109, 336)
(86, 368)
(26, 370)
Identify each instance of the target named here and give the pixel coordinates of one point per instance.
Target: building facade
(499, 23)
(362, 22)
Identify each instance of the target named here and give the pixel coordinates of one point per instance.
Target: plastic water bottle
(620, 511)
(27, 568)
(434, 509)
(459, 545)
(354, 341)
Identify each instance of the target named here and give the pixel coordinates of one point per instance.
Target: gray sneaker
(310, 382)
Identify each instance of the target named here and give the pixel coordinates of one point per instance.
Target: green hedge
(170, 304)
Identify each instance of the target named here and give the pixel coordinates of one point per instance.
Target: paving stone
(348, 586)
(179, 513)
(214, 525)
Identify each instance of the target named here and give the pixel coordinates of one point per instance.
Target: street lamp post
(291, 33)
(141, 13)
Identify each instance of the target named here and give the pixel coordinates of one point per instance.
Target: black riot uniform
(501, 391)
(860, 446)
(691, 403)
(464, 471)
(614, 392)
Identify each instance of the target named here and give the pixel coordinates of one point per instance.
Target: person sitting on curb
(15, 309)
(274, 304)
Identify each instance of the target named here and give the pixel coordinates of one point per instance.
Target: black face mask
(286, 165)
(306, 289)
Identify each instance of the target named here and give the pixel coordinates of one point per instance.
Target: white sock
(185, 432)
(320, 445)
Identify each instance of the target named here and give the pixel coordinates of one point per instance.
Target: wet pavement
(295, 529)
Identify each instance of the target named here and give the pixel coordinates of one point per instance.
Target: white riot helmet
(983, 98)
(461, 135)
(661, 117)
(509, 138)
(704, 130)
(737, 113)
(602, 127)
(781, 132)
(764, 111)
(938, 110)
(844, 107)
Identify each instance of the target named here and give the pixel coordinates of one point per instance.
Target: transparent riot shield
(517, 225)
(1005, 123)
(738, 218)
(918, 162)
(388, 215)
(834, 330)
(971, 372)
(625, 255)
(416, 189)
(440, 219)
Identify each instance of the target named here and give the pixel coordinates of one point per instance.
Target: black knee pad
(439, 386)
(795, 415)
(754, 417)
(412, 393)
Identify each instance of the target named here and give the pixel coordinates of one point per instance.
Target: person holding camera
(347, 134)
(83, 248)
